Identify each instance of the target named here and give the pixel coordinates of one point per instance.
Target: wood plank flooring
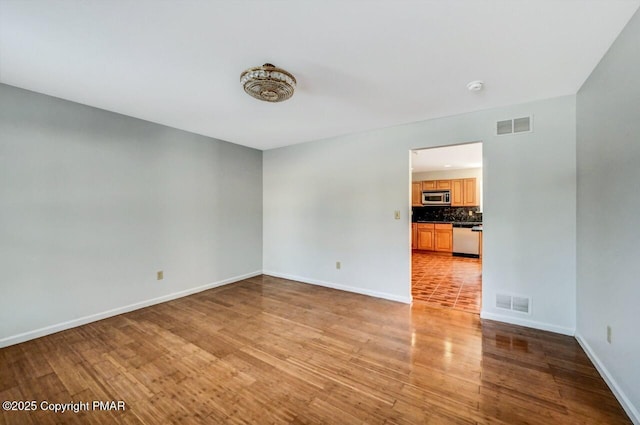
(442, 280)
(268, 350)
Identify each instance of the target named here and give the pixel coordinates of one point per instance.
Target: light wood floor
(268, 350)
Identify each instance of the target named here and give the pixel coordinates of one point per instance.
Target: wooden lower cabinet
(414, 235)
(443, 238)
(434, 237)
(425, 236)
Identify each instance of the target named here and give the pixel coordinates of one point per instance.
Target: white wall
(448, 174)
(93, 203)
(333, 200)
(608, 154)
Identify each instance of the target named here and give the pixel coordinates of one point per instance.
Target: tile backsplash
(434, 213)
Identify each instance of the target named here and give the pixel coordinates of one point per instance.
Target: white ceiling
(360, 65)
(447, 158)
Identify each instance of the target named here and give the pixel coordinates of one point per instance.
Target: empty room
(307, 212)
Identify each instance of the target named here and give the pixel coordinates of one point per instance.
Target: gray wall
(448, 174)
(334, 200)
(93, 203)
(608, 239)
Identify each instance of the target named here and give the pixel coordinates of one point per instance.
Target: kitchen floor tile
(447, 281)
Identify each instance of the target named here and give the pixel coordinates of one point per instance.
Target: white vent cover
(513, 303)
(513, 126)
(505, 127)
(503, 301)
(520, 304)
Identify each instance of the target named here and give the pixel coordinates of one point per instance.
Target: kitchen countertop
(455, 223)
(441, 222)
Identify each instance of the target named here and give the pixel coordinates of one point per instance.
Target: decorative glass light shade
(268, 83)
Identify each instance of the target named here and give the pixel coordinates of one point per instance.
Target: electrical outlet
(160, 275)
(338, 265)
(397, 215)
(609, 334)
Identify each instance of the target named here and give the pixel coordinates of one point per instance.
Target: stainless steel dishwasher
(466, 242)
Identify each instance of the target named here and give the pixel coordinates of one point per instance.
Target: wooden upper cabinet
(463, 193)
(470, 193)
(436, 185)
(429, 185)
(416, 193)
(443, 184)
(457, 193)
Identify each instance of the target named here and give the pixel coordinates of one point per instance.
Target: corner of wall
(628, 407)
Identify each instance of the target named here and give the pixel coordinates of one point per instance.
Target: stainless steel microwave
(436, 197)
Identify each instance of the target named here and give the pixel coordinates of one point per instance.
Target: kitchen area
(446, 228)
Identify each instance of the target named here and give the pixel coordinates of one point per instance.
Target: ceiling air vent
(512, 126)
(513, 303)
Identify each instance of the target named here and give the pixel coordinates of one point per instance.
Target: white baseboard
(628, 407)
(528, 323)
(355, 289)
(47, 330)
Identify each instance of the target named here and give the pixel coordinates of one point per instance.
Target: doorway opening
(446, 226)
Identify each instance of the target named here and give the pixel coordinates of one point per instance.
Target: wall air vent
(520, 304)
(513, 126)
(513, 303)
(505, 127)
(503, 301)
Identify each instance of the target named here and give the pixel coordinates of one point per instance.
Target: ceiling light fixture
(475, 85)
(268, 83)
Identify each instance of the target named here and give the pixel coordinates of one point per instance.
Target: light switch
(397, 214)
